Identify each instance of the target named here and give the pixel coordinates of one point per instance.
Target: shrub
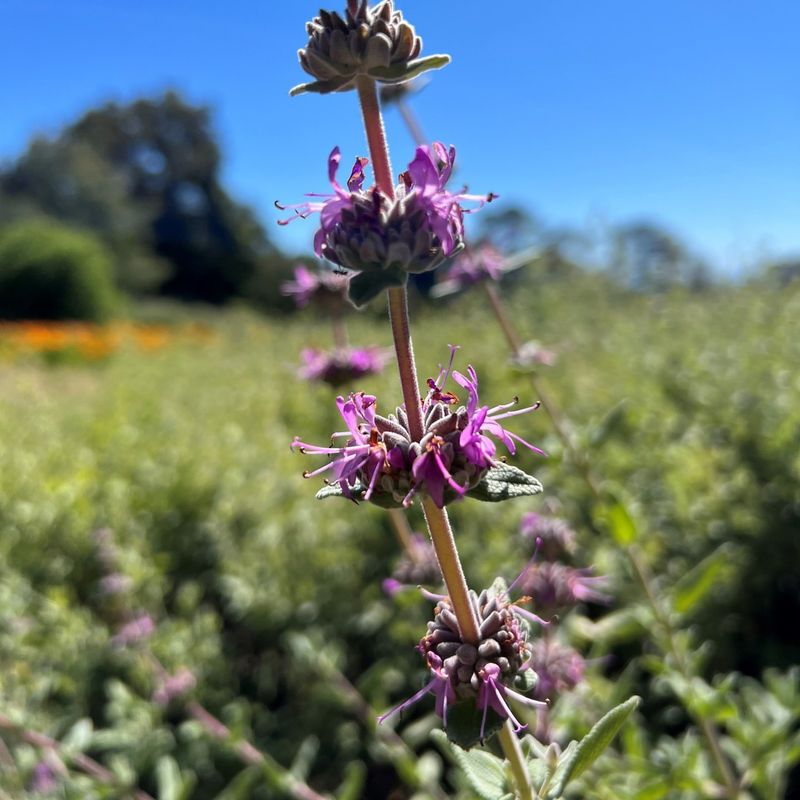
(48, 271)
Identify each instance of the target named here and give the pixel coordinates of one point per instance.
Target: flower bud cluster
(367, 41)
(487, 672)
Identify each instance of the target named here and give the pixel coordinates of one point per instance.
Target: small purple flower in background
(44, 780)
(136, 630)
(487, 672)
(343, 365)
(363, 230)
(415, 568)
(174, 686)
(115, 583)
(532, 354)
(381, 462)
(311, 285)
(475, 264)
(559, 667)
(478, 264)
(553, 537)
(556, 588)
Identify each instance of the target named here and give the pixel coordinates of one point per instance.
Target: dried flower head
(381, 462)
(343, 365)
(376, 42)
(489, 672)
(553, 537)
(384, 239)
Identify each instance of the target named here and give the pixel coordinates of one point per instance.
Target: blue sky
(686, 112)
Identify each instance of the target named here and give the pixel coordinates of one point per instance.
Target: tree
(145, 177)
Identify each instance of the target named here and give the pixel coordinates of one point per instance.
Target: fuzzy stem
(450, 565)
(438, 522)
(519, 769)
(398, 298)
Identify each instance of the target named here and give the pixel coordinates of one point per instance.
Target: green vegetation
(688, 406)
(48, 271)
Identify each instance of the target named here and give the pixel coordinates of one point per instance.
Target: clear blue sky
(686, 112)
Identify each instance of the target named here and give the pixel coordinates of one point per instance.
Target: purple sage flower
(136, 630)
(532, 354)
(381, 462)
(44, 780)
(553, 537)
(559, 667)
(309, 285)
(174, 686)
(415, 568)
(476, 264)
(490, 672)
(343, 365)
(556, 588)
(365, 231)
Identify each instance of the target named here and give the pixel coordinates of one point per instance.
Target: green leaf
(400, 73)
(503, 482)
(364, 286)
(464, 724)
(593, 744)
(382, 499)
(699, 581)
(168, 778)
(620, 523)
(485, 772)
(324, 87)
(79, 737)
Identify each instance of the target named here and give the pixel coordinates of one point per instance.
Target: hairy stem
(449, 563)
(519, 769)
(438, 522)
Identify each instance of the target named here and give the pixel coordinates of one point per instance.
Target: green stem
(438, 523)
(519, 768)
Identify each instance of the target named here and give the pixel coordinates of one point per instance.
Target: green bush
(48, 271)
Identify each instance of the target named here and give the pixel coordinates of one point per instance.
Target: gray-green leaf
(503, 482)
(485, 772)
(593, 744)
(405, 72)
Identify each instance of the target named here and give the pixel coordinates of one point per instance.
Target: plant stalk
(438, 523)
(519, 768)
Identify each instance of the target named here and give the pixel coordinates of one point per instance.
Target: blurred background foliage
(682, 390)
